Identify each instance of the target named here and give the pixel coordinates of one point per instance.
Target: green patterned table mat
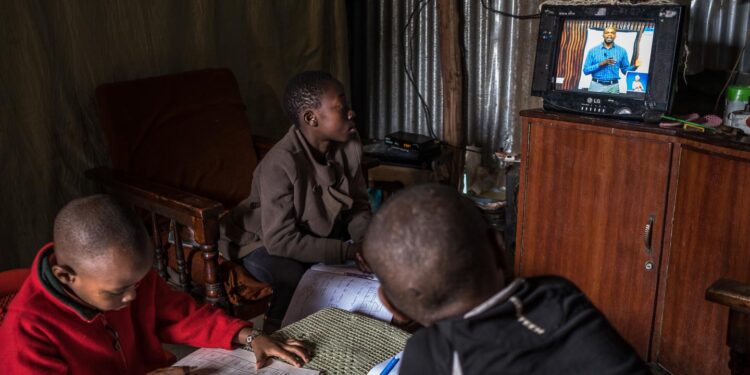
(345, 343)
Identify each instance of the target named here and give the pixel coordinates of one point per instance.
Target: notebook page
(348, 290)
(235, 362)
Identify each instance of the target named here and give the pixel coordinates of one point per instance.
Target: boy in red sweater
(78, 313)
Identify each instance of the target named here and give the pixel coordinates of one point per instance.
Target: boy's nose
(351, 115)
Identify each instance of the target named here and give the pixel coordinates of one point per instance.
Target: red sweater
(47, 332)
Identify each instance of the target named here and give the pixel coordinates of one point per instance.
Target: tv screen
(608, 60)
(604, 56)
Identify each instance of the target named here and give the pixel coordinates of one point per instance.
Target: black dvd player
(395, 156)
(411, 142)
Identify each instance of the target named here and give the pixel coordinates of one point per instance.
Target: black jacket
(560, 332)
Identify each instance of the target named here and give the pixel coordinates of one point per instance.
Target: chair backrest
(185, 130)
(10, 283)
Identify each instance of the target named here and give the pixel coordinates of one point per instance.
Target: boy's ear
(398, 316)
(308, 118)
(64, 273)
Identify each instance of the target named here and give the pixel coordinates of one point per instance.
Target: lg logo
(593, 100)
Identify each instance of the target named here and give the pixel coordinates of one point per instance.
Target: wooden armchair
(736, 296)
(182, 154)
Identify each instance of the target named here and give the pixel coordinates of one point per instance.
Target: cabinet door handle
(647, 233)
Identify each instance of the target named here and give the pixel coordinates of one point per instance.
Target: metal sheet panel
(499, 56)
(718, 31)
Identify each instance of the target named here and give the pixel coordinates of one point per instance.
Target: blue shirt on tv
(608, 72)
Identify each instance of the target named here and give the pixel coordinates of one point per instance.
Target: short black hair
(304, 91)
(90, 228)
(429, 244)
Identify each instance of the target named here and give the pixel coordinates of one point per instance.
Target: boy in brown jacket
(308, 202)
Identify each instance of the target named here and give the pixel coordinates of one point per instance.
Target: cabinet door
(587, 196)
(710, 240)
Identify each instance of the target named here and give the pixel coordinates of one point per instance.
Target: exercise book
(341, 286)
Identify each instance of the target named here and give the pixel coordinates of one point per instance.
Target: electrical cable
(408, 41)
(409, 46)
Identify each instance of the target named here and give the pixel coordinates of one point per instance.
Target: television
(608, 60)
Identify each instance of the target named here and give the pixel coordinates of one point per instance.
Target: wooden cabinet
(643, 221)
(710, 239)
(587, 196)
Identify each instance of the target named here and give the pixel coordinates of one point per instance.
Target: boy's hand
(361, 262)
(354, 252)
(174, 370)
(291, 351)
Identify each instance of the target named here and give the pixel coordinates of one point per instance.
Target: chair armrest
(198, 213)
(185, 208)
(730, 293)
(735, 295)
(262, 145)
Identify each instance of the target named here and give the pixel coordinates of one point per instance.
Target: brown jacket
(299, 208)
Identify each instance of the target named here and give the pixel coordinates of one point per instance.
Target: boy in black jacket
(437, 261)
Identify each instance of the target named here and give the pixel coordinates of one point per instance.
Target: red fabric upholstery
(185, 130)
(10, 282)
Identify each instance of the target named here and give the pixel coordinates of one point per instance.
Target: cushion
(186, 130)
(11, 280)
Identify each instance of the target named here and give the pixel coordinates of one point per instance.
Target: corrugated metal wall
(499, 61)
(719, 29)
(497, 67)
(393, 102)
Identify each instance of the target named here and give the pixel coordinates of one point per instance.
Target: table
(344, 342)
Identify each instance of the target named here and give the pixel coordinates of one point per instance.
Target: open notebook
(342, 286)
(235, 362)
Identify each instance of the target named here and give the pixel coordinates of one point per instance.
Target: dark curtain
(54, 53)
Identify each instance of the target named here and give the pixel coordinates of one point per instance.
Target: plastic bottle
(739, 119)
(737, 96)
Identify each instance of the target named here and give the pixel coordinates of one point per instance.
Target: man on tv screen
(603, 62)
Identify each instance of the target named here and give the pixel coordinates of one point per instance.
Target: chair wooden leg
(214, 288)
(180, 258)
(161, 260)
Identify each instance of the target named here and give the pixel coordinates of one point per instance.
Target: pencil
(391, 364)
